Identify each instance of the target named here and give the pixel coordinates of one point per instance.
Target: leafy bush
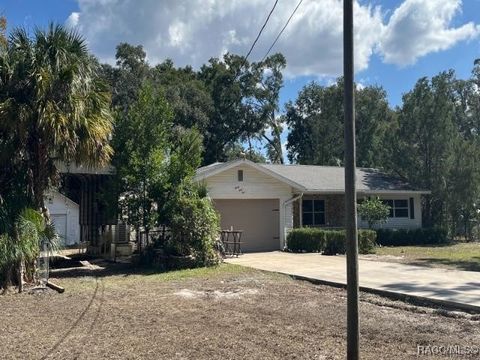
(405, 237)
(195, 228)
(20, 249)
(367, 240)
(373, 211)
(334, 242)
(306, 239)
(330, 242)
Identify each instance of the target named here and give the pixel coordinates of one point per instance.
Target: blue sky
(398, 41)
(395, 78)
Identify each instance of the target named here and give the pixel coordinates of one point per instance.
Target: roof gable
(56, 196)
(216, 168)
(313, 178)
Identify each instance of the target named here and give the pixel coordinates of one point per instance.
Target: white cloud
(192, 31)
(419, 27)
(285, 151)
(72, 20)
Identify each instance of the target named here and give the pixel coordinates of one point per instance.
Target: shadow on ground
(468, 265)
(432, 289)
(81, 265)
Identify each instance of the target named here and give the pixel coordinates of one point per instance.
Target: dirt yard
(228, 312)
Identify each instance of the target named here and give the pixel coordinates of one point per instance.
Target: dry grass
(459, 256)
(228, 312)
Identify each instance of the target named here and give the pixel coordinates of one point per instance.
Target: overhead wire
(260, 32)
(281, 31)
(244, 62)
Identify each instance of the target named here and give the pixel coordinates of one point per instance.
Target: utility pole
(350, 190)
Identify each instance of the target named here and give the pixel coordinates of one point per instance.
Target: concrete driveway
(456, 288)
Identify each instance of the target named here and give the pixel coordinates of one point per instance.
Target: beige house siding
(255, 185)
(289, 216)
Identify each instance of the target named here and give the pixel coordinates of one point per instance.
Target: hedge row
(405, 237)
(329, 242)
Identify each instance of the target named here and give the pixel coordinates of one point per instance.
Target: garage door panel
(259, 220)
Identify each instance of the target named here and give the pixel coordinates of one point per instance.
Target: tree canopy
(53, 105)
(315, 120)
(230, 101)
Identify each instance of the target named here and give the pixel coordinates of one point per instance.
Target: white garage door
(259, 220)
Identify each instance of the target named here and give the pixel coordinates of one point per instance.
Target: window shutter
(412, 209)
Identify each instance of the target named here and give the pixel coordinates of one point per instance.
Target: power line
(260, 32)
(283, 29)
(251, 47)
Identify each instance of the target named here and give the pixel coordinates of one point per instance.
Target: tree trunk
(278, 149)
(21, 273)
(41, 171)
(6, 281)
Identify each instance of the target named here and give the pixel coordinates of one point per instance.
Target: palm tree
(53, 108)
(53, 104)
(20, 245)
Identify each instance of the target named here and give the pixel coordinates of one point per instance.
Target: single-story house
(265, 201)
(64, 213)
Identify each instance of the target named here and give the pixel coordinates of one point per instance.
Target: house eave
(421, 192)
(63, 168)
(366, 192)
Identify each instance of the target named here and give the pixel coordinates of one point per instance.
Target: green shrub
(406, 237)
(334, 242)
(195, 227)
(374, 211)
(22, 248)
(306, 239)
(367, 240)
(329, 242)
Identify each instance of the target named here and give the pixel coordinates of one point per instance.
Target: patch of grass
(461, 256)
(204, 272)
(124, 277)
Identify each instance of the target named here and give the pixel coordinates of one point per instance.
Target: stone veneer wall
(334, 210)
(296, 213)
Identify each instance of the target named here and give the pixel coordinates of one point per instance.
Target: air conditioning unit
(123, 233)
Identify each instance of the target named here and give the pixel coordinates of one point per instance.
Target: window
(240, 175)
(313, 212)
(398, 208)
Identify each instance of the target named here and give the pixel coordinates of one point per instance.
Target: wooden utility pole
(350, 190)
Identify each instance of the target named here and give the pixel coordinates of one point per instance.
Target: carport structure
(97, 220)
